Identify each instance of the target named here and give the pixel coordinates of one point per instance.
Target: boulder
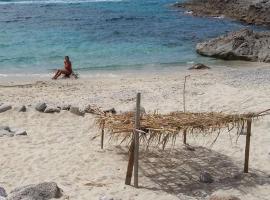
(223, 197)
(206, 177)
(245, 45)
(4, 108)
(76, 110)
(50, 109)
(41, 191)
(3, 192)
(41, 107)
(22, 108)
(199, 66)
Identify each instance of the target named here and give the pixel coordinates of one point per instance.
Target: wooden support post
(102, 134)
(136, 139)
(134, 148)
(185, 137)
(130, 163)
(247, 145)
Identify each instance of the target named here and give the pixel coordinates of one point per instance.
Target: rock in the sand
(17, 131)
(42, 191)
(65, 107)
(240, 45)
(4, 128)
(41, 107)
(223, 197)
(6, 133)
(111, 110)
(4, 108)
(105, 198)
(22, 108)
(199, 66)
(3, 192)
(50, 109)
(76, 110)
(206, 177)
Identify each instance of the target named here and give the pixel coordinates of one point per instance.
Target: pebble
(22, 108)
(17, 131)
(76, 111)
(206, 177)
(41, 107)
(50, 109)
(4, 108)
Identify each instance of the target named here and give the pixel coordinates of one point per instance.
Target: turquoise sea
(35, 35)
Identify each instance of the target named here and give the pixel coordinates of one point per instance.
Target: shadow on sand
(177, 171)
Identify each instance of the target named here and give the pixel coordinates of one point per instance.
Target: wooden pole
(130, 163)
(102, 134)
(247, 145)
(184, 93)
(185, 137)
(136, 139)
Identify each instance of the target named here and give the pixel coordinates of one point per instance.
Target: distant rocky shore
(248, 11)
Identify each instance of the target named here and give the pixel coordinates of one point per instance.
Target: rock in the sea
(76, 110)
(42, 191)
(6, 133)
(3, 192)
(50, 109)
(223, 197)
(41, 107)
(4, 108)
(241, 45)
(206, 177)
(199, 66)
(22, 108)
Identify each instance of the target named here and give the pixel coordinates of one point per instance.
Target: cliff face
(241, 45)
(249, 11)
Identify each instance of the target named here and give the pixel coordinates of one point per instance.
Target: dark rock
(22, 109)
(76, 111)
(41, 107)
(223, 197)
(241, 45)
(3, 192)
(199, 66)
(50, 109)
(4, 108)
(206, 177)
(42, 191)
(4, 128)
(112, 110)
(249, 11)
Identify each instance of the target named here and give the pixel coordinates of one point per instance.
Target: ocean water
(35, 35)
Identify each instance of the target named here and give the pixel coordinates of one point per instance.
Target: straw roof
(160, 128)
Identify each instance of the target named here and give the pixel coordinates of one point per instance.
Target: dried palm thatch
(161, 128)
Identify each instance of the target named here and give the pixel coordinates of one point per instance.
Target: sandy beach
(60, 147)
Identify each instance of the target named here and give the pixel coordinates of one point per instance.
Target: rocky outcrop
(249, 11)
(241, 45)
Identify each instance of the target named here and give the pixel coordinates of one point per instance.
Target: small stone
(206, 177)
(4, 108)
(42, 191)
(199, 66)
(50, 109)
(22, 109)
(112, 111)
(65, 107)
(3, 192)
(4, 128)
(223, 197)
(6, 133)
(76, 111)
(41, 107)
(17, 131)
(105, 198)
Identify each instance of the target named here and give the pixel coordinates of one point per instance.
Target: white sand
(59, 146)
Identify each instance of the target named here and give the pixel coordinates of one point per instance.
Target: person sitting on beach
(67, 71)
